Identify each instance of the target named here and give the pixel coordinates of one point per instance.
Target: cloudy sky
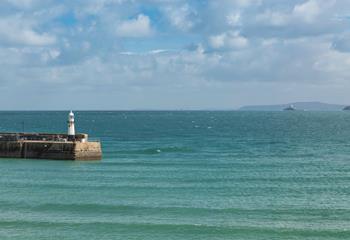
(172, 54)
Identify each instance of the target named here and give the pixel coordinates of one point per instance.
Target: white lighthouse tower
(71, 127)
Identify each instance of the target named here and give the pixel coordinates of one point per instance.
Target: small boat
(347, 108)
(289, 108)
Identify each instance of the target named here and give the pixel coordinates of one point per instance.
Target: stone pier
(49, 146)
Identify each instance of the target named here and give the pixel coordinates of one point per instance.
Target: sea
(183, 175)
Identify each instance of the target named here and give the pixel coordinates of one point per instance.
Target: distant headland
(302, 106)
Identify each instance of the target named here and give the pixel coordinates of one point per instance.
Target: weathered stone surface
(87, 151)
(70, 150)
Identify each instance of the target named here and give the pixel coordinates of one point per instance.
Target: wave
(150, 151)
(85, 208)
(197, 229)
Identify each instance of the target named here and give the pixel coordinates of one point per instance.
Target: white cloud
(182, 17)
(238, 3)
(51, 54)
(138, 27)
(217, 41)
(231, 40)
(16, 30)
(308, 10)
(234, 19)
(273, 18)
(246, 3)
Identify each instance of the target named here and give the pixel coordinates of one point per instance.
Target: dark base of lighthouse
(48, 149)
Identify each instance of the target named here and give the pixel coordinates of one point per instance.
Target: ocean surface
(183, 175)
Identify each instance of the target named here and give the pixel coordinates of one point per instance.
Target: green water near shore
(184, 175)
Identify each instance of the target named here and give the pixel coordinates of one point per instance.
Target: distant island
(303, 106)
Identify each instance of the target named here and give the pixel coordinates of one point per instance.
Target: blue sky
(172, 54)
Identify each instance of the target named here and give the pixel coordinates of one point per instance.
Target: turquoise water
(184, 175)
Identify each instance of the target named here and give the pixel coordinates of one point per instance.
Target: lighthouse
(71, 128)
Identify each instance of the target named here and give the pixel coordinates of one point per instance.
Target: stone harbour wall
(51, 150)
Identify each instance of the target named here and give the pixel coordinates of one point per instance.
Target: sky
(172, 54)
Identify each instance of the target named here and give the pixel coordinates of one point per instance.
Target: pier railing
(40, 137)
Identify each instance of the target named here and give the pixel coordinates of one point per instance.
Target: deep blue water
(184, 175)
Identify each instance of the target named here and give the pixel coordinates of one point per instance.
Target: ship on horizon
(290, 108)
